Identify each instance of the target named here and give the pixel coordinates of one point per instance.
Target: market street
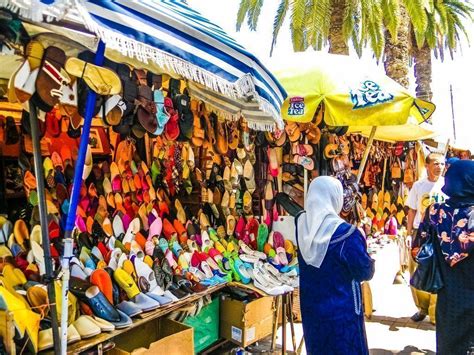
(390, 331)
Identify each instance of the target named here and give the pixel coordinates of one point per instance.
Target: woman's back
(333, 290)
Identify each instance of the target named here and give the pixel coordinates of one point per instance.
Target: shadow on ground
(409, 349)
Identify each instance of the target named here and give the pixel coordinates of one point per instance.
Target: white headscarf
(316, 227)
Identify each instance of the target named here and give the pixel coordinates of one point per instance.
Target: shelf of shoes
(86, 344)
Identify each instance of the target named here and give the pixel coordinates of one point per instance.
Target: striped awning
(176, 38)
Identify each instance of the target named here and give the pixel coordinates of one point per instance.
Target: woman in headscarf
(454, 224)
(333, 261)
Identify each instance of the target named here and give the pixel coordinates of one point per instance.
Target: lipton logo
(369, 94)
(296, 107)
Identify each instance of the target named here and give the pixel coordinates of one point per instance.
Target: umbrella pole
(43, 217)
(366, 153)
(71, 216)
(305, 177)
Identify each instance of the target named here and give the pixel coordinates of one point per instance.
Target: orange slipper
(119, 203)
(29, 180)
(102, 280)
(168, 230)
(66, 155)
(20, 232)
(137, 181)
(89, 223)
(182, 235)
(141, 240)
(107, 227)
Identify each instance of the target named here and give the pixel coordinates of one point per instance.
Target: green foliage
(438, 23)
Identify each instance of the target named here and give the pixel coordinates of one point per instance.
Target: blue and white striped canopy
(176, 38)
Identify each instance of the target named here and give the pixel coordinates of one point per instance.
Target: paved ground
(390, 331)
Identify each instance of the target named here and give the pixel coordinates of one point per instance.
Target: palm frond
(280, 16)
(242, 13)
(254, 13)
(416, 10)
(391, 13)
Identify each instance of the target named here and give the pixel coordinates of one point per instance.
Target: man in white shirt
(424, 192)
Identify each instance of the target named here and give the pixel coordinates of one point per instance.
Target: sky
(458, 72)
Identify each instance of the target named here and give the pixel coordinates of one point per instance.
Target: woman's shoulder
(343, 231)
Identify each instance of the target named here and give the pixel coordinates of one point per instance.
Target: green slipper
(155, 171)
(262, 236)
(33, 198)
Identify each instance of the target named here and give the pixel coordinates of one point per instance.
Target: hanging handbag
(396, 169)
(427, 276)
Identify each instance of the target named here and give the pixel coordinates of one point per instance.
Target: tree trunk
(337, 43)
(422, 59)
(397, 56)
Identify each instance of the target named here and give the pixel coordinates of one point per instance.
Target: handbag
(396, 170)
(427, 276)
(286, 226)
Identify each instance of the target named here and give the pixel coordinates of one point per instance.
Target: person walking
(453, 223)
(423, 193)
(333, 261)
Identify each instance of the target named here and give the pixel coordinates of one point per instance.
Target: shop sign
(369, 94)
(296, 107)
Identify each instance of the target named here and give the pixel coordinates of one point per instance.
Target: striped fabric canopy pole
(178, 39)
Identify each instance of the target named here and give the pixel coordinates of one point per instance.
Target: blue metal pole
(76, 188)
(79, 166)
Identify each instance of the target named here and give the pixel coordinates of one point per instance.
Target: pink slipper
(80, 224)
(272, 162)
(240, 228)
(278, 240)
(155, 228)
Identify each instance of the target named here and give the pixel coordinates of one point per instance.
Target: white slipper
(86, 327)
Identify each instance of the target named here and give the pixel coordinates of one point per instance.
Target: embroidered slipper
(304, 161)
(302, 149)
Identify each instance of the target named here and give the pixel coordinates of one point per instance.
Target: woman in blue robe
(333, 261)
(453, 222)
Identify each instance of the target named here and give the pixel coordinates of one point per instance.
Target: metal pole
(43, 216)
(283, 323)
(71, 216)
(305, 176)
(452, 112)
(366, 153)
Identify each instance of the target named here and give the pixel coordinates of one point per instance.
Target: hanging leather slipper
(51, 78)
(101, 80)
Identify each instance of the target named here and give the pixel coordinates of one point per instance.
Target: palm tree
(317, 23)
(444, 29)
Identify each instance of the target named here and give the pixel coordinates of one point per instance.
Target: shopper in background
(424, 192)
(454, 226)
(333, 260)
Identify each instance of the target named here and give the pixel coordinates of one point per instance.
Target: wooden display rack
(87, 344)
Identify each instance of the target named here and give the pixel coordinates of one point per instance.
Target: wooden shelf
(84, 345)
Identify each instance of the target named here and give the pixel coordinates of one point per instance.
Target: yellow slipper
(101, 80)
(125, 281)
(25, 319)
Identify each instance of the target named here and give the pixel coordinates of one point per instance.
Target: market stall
(148, 190)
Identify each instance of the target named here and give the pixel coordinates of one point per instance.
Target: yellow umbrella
(354, 93)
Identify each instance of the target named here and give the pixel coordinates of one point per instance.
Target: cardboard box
(159, 336)
(245, 323)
